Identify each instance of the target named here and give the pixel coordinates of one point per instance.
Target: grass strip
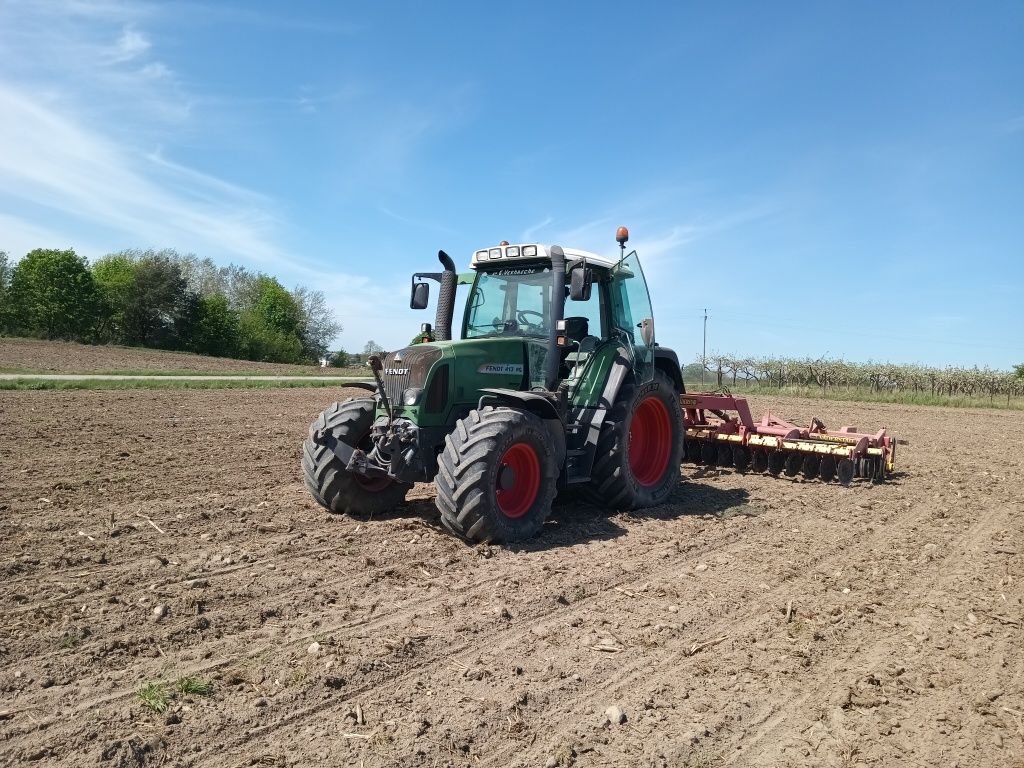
(100, 384)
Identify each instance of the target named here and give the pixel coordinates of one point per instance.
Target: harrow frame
(733, 438)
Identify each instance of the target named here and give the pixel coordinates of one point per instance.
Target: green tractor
(556, 385)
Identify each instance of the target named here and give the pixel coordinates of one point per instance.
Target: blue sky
(842, 179)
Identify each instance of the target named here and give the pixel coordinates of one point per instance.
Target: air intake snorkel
(446, 298)
(557, 314)
(449, 280)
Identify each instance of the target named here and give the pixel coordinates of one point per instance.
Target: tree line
(950, 381)
(165, 300)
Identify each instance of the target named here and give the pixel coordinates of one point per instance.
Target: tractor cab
(563, 305)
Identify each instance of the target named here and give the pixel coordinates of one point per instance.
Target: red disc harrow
(720, 431)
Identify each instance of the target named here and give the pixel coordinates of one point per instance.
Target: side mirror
(581, 281)
(420, 296)
(647, 331)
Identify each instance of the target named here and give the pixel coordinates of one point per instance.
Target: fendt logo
(396, 371)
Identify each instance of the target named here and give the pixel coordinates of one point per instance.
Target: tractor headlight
(411, 396)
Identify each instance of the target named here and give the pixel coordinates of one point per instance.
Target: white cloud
(130, 45)
(531, 232)
(58, 166)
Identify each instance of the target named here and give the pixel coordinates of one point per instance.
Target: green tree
(338, 359)
(319, 325)
(275, 307)
(271, 324)
(372, 348)
(1019, 370)
(156, 302)
(116, 281)
(5, 282)
(215, 329)
(418, 338)
(53, 294)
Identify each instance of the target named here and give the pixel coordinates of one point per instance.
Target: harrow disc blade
(811, 466)
(793, 463)
(845, 471)
(724, 455)
(827, 469)
(880, 473)
(759, 461)
(776, 461)
(693, 451)
(740, 458)
(708, 452)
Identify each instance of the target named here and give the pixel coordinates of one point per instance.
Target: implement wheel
(496, 476)
(326, 476)
(640, 447)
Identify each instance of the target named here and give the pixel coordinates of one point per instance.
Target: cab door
(632, 316)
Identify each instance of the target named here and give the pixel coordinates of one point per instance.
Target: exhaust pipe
(558, 313)
(446, 298)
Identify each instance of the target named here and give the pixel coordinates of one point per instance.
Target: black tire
(615, 483)
(488, 448)
(331, 484)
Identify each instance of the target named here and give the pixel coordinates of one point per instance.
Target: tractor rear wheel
(326, 476)
(640, 447)
(496, 476)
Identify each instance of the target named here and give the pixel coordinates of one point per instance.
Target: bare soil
(149, 535)
(40, 356)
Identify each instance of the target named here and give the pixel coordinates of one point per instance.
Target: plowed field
(147, 536)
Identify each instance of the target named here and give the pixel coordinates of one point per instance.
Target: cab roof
(526, 252)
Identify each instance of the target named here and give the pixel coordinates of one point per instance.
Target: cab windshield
(509, 302)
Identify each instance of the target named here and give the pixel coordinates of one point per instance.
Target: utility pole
(704, 355)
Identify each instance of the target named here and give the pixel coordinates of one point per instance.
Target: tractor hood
(452, 373)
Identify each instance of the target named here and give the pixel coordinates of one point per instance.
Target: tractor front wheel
(496, 476)
(640, 447)
(326, 475)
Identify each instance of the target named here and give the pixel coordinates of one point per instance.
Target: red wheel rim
(519, 472)
(650, 441)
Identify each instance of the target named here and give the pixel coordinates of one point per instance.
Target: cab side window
(591, 310)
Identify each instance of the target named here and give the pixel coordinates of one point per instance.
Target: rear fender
(667, 361)
(536, 404)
